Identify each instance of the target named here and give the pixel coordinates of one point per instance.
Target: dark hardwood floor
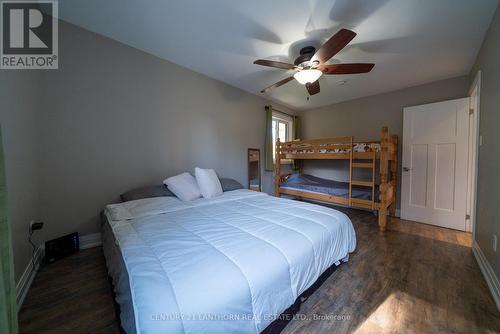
(415, 278)
(72, 295)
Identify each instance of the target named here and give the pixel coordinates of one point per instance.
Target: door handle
(406, 169)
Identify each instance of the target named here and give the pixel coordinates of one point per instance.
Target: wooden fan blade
(276, 64)
(313, 88)
(336, 43)
(279, 83)
(346, 68)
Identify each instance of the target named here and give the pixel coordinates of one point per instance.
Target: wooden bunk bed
(360, 156)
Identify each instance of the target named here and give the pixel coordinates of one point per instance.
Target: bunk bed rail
(331, 148)
(314, 148)
(332, 142)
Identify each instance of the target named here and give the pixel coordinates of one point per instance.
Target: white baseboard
(90, 240)
(28, 276)
(488, 273)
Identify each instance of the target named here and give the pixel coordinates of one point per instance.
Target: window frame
(278, 118)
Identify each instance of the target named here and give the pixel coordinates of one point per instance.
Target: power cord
(34, 226)
(34, 249)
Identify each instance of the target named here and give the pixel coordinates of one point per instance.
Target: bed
(223, 265)
(314, 184)
(368, 156)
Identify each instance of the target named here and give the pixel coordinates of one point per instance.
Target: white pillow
(183, 186)
(208, 182)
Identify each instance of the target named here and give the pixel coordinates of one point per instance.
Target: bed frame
(342, 148)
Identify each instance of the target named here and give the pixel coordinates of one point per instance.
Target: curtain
(296, 127)
(8, 307)
(268, 149)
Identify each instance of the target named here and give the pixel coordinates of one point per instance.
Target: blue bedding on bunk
(324, 186)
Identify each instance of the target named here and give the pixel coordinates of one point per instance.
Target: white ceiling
(410, 41)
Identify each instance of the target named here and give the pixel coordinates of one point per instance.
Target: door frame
(476, 138)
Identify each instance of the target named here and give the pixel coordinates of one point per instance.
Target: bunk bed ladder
(367, 204)
(374, 156)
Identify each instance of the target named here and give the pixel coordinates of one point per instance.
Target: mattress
(228, 264)
(310, 183)
(118, 273)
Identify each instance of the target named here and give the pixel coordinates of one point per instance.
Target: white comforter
(230, 264)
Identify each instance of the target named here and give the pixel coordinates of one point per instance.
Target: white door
(435, 146)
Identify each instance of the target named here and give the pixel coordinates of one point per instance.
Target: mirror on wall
(254, 169)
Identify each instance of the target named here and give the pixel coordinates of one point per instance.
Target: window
(282, 129)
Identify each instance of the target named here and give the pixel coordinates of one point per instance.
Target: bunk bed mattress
(314, 184)
(222, 265)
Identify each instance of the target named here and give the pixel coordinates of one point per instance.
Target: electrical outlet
(480, 140)
(495, 239)
(35, 225)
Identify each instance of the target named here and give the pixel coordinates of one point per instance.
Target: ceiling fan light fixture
(306, 76)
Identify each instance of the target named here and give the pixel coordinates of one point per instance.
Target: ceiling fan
(310, 65)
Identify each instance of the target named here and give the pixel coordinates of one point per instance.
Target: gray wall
(364, 118)
(488, 192)
(116, 118)
(18, 109)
